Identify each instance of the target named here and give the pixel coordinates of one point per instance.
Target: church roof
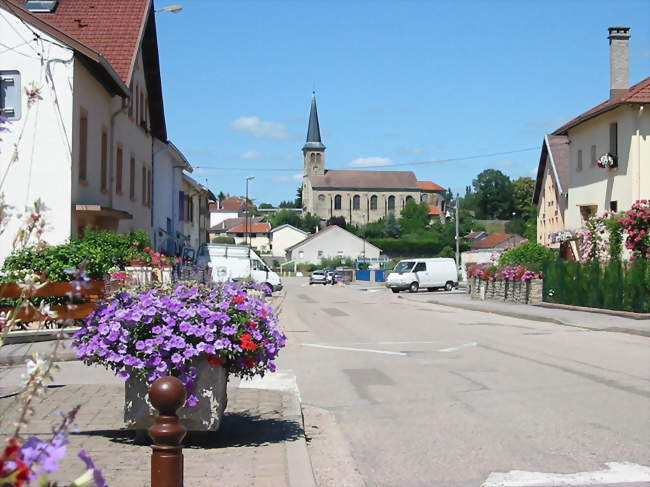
(380, 180)
(313, 130)
(430, 186)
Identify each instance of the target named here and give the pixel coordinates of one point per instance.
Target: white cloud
(261, 129)
(371, 162)
(250, 155)
(288, 179)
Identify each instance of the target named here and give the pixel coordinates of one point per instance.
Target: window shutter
(10, 95)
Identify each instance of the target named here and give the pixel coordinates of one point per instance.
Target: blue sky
(397, 82)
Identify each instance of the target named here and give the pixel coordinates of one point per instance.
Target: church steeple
(313, 131)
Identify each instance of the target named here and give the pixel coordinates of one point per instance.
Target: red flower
(247, 342)
(22, 474)
(238, 299)
(11, 449)
(252, 324)
(214, 360)
(249, 362)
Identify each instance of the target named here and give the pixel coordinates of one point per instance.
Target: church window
(391, 202)
(337, 202)
(317, 157)
(312, 157)
(424, 197)
(356, 202)
(408, 199)
(321, 197)
(373, 202)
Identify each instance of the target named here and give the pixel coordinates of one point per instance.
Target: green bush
(99, 249)
(223, 240)
(531, 255)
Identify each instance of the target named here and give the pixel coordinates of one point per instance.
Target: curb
(529, 316)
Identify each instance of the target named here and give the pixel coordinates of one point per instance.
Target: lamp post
(246, 225)
(457, 239)
(364, 238)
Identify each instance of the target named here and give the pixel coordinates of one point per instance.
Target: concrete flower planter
(528, 292)
(205, 416)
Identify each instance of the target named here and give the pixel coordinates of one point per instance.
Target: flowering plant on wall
(157, 333)
(636, 223)
(509, 273)
(563, 236)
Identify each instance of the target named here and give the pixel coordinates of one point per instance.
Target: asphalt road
(428, 395)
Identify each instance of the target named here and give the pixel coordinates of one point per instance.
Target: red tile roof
(434, 210)
(638, 93)
(112, 28)
(344, 179)
(252, 228)
(498, 240)
(430, 186)
(233, 203)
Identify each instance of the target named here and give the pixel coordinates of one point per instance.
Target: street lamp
(364, 238)
(246, 226)
(172, 9)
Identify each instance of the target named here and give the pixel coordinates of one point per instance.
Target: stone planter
(142, 275)
(205, 416)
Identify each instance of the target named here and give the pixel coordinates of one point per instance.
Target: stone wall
(529, 292)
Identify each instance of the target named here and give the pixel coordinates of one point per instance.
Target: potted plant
(137, 256)
(197, 333)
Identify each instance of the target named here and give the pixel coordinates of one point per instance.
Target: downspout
(111, 158)
(638, 153)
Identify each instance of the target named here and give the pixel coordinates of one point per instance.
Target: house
(285, 236)
(235, 204)
(358, 196)
(598, 161)
(168, 213)
(475, 236)
(96, 89)
(497, 241)
(194, 199)
(256, 234)
(332, 241)
(485, 248)
(220, 229)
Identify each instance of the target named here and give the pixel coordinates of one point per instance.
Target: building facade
(332, 241)
(285, 236)
(358, 196)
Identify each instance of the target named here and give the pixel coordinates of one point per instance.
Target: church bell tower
(314, 150)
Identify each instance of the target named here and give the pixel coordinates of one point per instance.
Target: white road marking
(276, 381)
(396, 343)
(331, 347)
(616, 473)
(459, 347)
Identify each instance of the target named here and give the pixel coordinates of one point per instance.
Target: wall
(550, 217)
(471, 257)
(167, 183)
(259, 242)
(599, 186)
(332, 243)
(43, 133)
(284, 238)
(518, 292)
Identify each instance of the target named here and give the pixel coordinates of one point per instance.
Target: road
(428, 395)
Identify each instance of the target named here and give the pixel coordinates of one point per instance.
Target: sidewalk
(261, 441)
(567, 317)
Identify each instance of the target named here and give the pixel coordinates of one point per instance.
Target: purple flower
(44, 454)
(90, 465)
(177, 358)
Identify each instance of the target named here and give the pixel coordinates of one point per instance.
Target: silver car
(318, 277)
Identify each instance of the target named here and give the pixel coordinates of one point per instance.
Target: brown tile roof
(430, 186)
(343, 179)
(112, 28)
(498, 240)
(474, 235)
(434, 210)
(233, 203)
(252, 227)
(638, 93)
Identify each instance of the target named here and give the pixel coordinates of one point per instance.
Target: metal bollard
(167, 394)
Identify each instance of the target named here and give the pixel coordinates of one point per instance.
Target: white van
(236, 262)
(432, 274)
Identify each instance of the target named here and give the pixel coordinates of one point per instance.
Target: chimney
(619, 61)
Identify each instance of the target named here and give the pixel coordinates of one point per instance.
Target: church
(359, 196)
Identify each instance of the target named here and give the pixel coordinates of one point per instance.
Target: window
(373, 202)
(301, 254)
(408, 199)
(150, 189)
(137, 103)
(104, 161)
(321, 197)
(587, 211)
(579, 168)
(141, 119)
(144, 185)
(10, 95)
(181, 205)
(132, 178)
(356, 202)
(420, 267)
(118, 170)
(593, 157)
(131, 100)
(337, 202)
(391, 202)
(317, 157)
(83, 146)
(320, 253)
(613, 206)
(312, 157)
(41, 6)
(613, 139)
(424, 197)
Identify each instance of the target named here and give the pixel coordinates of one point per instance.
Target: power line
(401, 164)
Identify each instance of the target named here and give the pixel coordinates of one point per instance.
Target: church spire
(313, 131)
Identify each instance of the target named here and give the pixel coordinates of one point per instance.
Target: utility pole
(457, 239)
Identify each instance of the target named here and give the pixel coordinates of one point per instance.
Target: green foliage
(372, 230)
(447, 252)
(99, 249)
(493, 191)
(265, 206)
(615, 229)
(283, 217)
(531, 255)
(334, 262)
(223, 240)
(616, 285)
(414, 218)
(309, 222)
(522, 196)
(516, 225)
(392, 228)
(339, 221)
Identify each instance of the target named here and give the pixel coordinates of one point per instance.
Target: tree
(265, 206)
(298, 202)
(392, 228)
(522, 195)
(310, 222)
(415, 218)
(283, 217)
(221, 196)
(337, 220)
(493, 192)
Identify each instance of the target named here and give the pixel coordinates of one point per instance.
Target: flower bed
(512, 284)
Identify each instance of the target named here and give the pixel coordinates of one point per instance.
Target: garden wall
(520, 292)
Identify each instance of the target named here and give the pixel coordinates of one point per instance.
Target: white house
(608, 152)
(255, 234)
(84, 100)
(285, 236)
(332, 241)
(194, 215)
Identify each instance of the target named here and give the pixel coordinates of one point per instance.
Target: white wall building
(285, 236)
(332, 241)
(84, 139)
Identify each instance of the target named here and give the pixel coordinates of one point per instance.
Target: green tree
(338, 221)
(493, 193)
(285, 216)
(265, 206)
(531, 255)
(522, 195)
(414, 218)
(298, 201)
(392, 228)
(309, 223)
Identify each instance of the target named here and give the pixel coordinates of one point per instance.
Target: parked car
(432, 274)
(318, 277)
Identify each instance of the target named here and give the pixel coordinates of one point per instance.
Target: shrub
(223, 240)
(530, 255)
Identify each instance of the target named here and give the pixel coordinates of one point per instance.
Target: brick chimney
(619, 60)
